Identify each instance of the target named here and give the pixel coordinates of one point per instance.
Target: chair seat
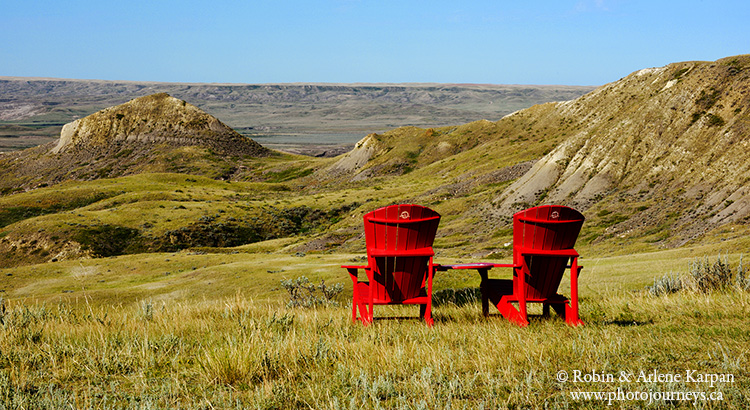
(364, 291)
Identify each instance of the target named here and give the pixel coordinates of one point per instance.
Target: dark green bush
(207, 233)
(458, 297)
(707, 99)
(715, 120)
(110, 240)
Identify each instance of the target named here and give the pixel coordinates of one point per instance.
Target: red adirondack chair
(399, 261)
(543, 240)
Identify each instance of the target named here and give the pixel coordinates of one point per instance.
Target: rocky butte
(157, 118)
(155, 133)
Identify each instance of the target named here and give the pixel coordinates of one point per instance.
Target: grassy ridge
(154, 212)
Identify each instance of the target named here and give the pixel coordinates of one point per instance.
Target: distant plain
(305, 118)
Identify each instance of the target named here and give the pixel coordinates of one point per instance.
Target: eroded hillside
(669, 146)
(659, 157)
(156, 118)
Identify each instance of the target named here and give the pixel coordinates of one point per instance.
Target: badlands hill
(657, 159)
(157, 118)
(672, 143)
(155, 133)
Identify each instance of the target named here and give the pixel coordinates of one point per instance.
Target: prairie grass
(213, 330)
(238, 353)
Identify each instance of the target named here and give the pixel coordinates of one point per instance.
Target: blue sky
(579, 42)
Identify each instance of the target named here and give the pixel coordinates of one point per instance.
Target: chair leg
(571, 314)
(510, 312)
(356, 300)
(485, 292)
(358, 305)
(571, 308)
(369, 313)
(369, 307)
(559, 309)
(425, 312)
(364, 306)
(524, 317)
(507, 309)
(363, 315)
(523, 314)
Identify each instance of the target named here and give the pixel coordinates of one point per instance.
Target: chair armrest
(506, 265)
(354, 271)
(465, 266)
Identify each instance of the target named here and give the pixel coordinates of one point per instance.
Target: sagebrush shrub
(303, 293)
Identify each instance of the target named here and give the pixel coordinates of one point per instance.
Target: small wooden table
(483, 269)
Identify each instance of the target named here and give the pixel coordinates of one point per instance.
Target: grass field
(212, 330)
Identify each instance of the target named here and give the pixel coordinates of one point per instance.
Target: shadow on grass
(631, 323)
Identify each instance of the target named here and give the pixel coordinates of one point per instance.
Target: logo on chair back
(404, 215)
(554, 215)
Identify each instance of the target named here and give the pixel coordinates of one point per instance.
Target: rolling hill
(659, 156)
